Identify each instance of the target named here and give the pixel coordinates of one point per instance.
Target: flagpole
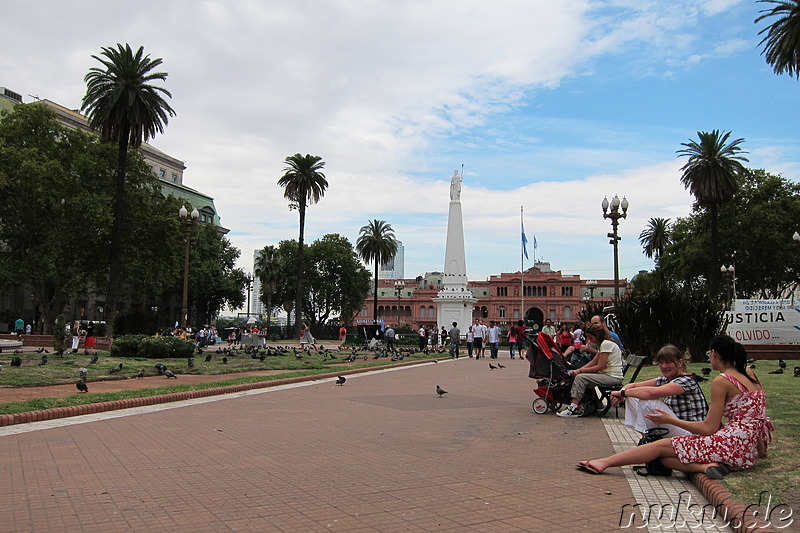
(522, 267)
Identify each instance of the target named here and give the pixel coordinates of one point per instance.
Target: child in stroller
(550, 367)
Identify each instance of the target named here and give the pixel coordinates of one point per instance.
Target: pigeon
(224, 360)
(777, 371)
(208, 358)
(43, 361)
(500, 366)
(191, 362)
(95, 357)
(83, 373)
(161, 368)
(705, 371)
(81, 386)
(16, 361)
(340, 380)
(698, 379)
(170, 374)
(492, 367)
(440, 391)
(140, 375)
(116, 369)
(797, 371)
(782, 363)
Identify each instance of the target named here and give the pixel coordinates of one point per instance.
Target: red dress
(736, 443)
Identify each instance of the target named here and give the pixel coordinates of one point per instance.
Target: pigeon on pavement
(340, 380)
(440, 391)
(81, 386)
(170, 374)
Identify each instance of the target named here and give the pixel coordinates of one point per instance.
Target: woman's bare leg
(635, 456)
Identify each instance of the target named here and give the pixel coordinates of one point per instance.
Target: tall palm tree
(303, 183)
(711, 175)
(656, 237)
(266, 269)
(121, 102)
(782, 40)
(376, 243)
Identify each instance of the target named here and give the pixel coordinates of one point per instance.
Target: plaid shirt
(691, 405)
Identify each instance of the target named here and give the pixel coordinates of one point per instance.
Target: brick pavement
(381, 453)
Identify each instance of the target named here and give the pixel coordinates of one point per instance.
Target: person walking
(493, 337)
(512, 341)
(470, 341)
(455, 339)
(389, 334)
(89, 343)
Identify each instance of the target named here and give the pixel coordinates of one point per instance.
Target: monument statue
(455, 187)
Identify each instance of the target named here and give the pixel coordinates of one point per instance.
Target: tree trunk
(375, 295)
(298, 298)
(714, 273)
(116, 235)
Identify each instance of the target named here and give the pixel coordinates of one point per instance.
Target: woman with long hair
(713, 449)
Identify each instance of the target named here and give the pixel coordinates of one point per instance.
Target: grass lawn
(778, 474)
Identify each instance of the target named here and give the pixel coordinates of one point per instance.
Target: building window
(516, 314)
(553, 314)
(502, 291)
(431, 312)
(501, 312)
(364, 311)
(422, 312)
(566, 291)
(174, 178)
(567, 312)
(162, 173)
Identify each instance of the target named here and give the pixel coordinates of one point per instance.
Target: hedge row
(151, 347)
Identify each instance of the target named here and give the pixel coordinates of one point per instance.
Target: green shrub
(126, 346)
(151, 347)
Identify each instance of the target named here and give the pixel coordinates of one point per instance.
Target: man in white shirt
(493, 338)
(478, 335)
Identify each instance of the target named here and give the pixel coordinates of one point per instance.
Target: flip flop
(589, 469)
(718, 472)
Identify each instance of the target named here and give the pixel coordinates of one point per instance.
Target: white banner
(744, 306)
(764, 327)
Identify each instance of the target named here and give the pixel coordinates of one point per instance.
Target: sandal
(718, 472)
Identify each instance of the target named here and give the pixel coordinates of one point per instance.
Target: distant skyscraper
(394, 269)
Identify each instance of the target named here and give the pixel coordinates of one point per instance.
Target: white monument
(455, 302)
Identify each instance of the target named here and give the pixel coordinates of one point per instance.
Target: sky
(549, 106)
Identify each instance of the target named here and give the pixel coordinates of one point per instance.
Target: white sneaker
(570, 411)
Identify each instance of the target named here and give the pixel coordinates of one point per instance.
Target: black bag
(653, 468)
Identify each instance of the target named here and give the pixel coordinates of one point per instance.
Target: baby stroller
(550, 367)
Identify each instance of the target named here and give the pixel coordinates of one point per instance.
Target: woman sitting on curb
(714, 449)
(676, 393)
(605, 368)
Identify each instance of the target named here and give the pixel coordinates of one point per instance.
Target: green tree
(756, 238)
(338, 283)
(376, 243)
(303, 183)
(711, 175)
(53, 199)
(214, 280)
(127, 109)
(266, 270)
(782, 40)
(655, 237)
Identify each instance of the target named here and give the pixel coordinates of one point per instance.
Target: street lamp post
(188, 220)
(729, 275)
(591, 284)
(399, 285)
(249, 280)
(615, 215)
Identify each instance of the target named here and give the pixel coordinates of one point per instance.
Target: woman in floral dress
(714, 449)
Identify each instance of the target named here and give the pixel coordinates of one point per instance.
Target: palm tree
(303, 183)
(376, 243)
(711, 175)
(782, 40)
(266, 269)
(127, 109)
(656, 237)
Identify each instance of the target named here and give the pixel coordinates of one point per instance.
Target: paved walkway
(381, 453)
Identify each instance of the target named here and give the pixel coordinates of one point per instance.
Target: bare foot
(590, 467)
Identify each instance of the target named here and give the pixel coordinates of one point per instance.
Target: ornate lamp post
(249, 280)
(615, 215)
(399, 285)
(188, 220)
(591, 284)
(729, 275)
